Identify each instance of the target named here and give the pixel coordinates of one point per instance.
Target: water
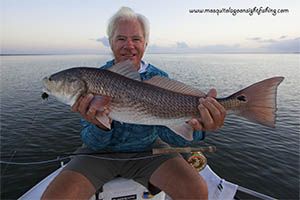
(256, 157)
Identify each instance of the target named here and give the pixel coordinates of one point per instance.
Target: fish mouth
(46, 92)
(44, 96)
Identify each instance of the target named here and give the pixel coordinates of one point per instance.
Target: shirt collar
(143, 67)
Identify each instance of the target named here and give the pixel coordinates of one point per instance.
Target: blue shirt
(124, 137)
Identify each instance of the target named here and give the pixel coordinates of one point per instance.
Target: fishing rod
(184, 150)
(153, 151)
(63, 156)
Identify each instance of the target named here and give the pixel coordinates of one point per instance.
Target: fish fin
(184, 130)
(103, 119)
(127, 69)
(173, 85)
(99, 102)
(259, 101)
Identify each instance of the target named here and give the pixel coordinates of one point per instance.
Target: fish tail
(256, 102)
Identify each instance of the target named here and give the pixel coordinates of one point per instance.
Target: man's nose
(129, 44)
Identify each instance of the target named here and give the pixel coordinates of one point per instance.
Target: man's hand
(81, 106)
(212, 114)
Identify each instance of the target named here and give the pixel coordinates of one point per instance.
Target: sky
(79, 26)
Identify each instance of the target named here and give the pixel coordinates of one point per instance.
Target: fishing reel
(197, 160)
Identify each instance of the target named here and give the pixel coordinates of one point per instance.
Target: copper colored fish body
(158, 101)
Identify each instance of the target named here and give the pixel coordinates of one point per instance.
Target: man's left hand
(212, 113)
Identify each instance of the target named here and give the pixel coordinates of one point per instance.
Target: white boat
(124, 189)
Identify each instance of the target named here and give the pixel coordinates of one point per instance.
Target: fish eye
(242, 98)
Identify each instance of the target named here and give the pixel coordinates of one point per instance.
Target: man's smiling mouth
(128, 55)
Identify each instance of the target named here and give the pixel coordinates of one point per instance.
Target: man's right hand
(82, 106)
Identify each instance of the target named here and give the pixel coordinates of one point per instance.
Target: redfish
(157, 101)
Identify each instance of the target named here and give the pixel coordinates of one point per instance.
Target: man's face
(128, 42)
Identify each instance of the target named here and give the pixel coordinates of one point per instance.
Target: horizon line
(42, 54)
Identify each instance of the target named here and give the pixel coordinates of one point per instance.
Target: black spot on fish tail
(44, 96)
(242, 98)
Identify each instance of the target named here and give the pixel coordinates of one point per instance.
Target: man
(128, 34)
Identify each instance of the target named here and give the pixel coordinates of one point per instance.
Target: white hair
(127, 13)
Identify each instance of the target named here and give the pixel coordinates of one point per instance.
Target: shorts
(99, 169)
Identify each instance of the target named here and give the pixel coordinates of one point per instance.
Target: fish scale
(154, 101)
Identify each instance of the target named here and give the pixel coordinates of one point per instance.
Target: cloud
(268, 41)
(259, 39)
(104, 41)
(291, 45)
(254, 38)
(280, 45)
(181, 45)
(265, 46)
(270, 45)
(282, 37)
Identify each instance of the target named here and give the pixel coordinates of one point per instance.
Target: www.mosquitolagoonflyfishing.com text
(235, 11)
